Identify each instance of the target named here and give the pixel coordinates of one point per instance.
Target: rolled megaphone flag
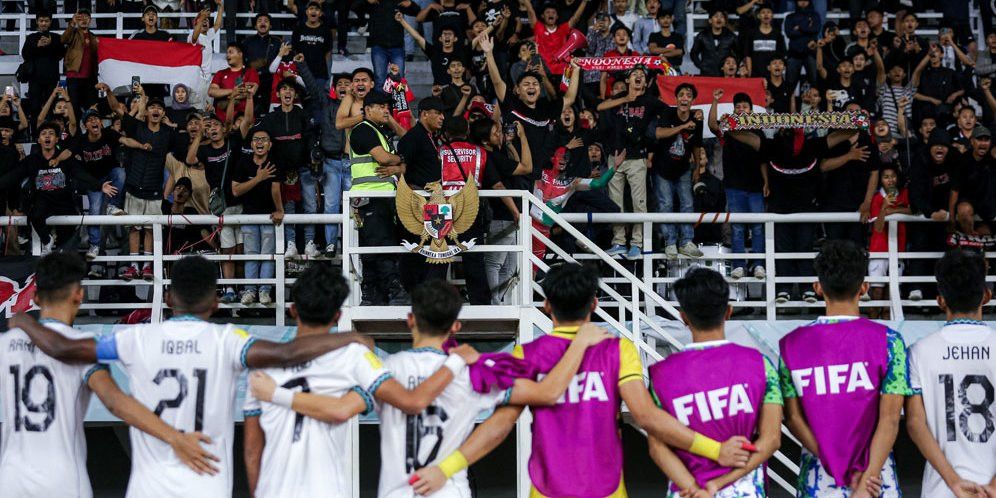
(575, 41)
(809, 120)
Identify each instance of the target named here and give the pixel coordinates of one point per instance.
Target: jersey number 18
(967, 408)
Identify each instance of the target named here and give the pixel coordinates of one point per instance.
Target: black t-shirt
(761, 48)
(663, 41)
(503, 166)
(781, 96)
(450, 17)
(672, 156)
(630, 123)
(214, 160)
(100, 157)
(845, 186)
(144, 175)
(314, 43)
(843, 94)
(258, 200)
(421, 156)
(538, 124)
(440, 60)
(158, 35)
(973, 181)
(742, 165)
(794, 175)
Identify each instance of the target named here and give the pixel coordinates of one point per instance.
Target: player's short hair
(841, 267)
(193, 285)
(318, 294)
(961, 279)
(57, 275)
(570, 289)
(436, 305)
(704, 297)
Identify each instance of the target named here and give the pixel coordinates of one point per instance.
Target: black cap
(431, 104)
(151, 7)
(376, 97)
(89, 113)
(981, 131)
(185, 181)
(155, 101)
(82, 10)
(939, 137)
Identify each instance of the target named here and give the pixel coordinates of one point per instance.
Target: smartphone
(9, 91)
(62, 83)
(238, 81)
(136, 81)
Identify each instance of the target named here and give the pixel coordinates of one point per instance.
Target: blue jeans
(335, 181)
(665, 204)
(741, 201)
(425, 29)
(99, 201)
(259, 239)
(381, 56)
(309, 201)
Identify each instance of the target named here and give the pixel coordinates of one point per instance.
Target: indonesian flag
(152, 61)
(753, 87)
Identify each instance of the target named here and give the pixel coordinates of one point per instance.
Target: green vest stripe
(363, 167)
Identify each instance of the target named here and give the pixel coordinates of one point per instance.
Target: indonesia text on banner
(753, 87)
(152, 61)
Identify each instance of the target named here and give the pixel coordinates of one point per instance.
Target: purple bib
(577, 449)
(716, 391)
(837, 370)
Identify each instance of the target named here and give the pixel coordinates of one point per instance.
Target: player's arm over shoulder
(260, 353)
(54, 344)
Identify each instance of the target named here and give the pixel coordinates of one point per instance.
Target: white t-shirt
(42, 447)
(410, 442)
(955, 371)
(304, 457)
(184, 370)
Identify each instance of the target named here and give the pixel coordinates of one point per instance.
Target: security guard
(373, 167)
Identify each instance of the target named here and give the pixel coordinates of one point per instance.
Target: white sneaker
(92, 253)
(671, 251)
(115, 211)
(691, 250)
(916, 295)
(330, 251)
(291, 252)
(264, 298)
(310, 250)
(737, 273)
(759, 273)
(248, 297)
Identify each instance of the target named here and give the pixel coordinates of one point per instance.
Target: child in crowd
(396, 85)
(890, 199)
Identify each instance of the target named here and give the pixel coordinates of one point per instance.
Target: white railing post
(770, 289)
(119, 25)
(648, 262)
(347, 243)
(525, 265)
(22, 33)
(157, 272)
(895, 293)
(280, 271)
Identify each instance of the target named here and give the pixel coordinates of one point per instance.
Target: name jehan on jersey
(830, 379)
(966, 353)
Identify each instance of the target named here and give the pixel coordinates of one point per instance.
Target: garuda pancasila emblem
(438, 218)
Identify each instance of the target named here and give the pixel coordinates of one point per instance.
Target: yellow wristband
(457, 462)
(706, 447)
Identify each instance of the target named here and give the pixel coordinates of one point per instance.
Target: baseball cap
(151, 7)
(89, 113)
(938, 137)
(155, 101)
(376, 97)
(980, 132)
(431, 104)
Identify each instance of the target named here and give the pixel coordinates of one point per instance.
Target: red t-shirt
(880, 240)
(226, 79)
(549, 43)
(609, 79)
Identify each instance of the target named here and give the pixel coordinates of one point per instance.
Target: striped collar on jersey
(965, 321)
(427, 349)
(53, 320)
(187, 317)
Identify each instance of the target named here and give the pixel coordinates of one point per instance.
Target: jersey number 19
(22, 397)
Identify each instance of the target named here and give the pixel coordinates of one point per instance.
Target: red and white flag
(152, 61)
(753, 87)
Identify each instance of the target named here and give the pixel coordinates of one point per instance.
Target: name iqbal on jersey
(585, 386)
(715, 404)
(21, 346)
(831, 378)
(179, 347)
(966, 353)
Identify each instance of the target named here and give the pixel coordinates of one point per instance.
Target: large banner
(152, 61)
(17, 286)
(754, 87)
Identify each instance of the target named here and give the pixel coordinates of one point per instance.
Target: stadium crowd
(277, 130)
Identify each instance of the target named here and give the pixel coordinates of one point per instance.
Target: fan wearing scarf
(794, 182)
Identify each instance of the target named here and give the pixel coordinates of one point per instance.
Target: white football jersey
(185, 370)
(410, 442)
(304, 457)
(955, 371)
(42, 447)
